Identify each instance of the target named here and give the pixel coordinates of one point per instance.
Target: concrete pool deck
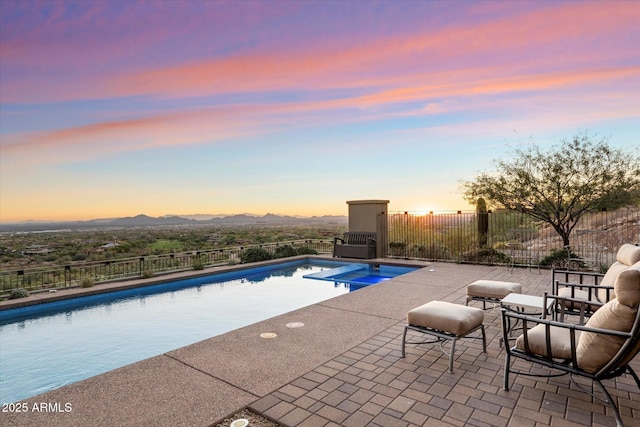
(342, 368)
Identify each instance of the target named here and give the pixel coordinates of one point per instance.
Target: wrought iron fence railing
(75, 274)
(511, 238)
(508, 238)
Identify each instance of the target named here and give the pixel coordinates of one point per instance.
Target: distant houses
(37, 250)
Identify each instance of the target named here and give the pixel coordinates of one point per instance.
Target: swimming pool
(50, 345)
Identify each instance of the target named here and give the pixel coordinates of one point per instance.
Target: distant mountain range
(172, 220)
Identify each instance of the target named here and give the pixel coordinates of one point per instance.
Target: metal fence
(512, 238)
(86, 273)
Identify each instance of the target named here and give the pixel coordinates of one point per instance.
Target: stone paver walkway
(372, 385)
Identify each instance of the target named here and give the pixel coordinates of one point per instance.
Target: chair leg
(484, 340)
(451, 353)
(634, 375)
(404, 339)
(611, 403)
(507, 363)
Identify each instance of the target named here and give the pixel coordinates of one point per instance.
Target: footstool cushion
(444, 316)
(492, 289)
(444, 321)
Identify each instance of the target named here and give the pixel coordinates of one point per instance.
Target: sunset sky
(117, 108)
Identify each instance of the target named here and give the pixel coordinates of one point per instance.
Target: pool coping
(41, 297)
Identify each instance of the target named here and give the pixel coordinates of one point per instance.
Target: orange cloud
(207, 125)
(523, 41)
(564, 36)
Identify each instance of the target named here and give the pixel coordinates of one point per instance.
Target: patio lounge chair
(600, 350)
(595, 288)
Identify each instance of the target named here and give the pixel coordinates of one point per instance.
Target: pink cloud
(208, 125)
(569, 35)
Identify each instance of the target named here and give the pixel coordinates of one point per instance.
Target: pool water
(359, 275)
(50, 345)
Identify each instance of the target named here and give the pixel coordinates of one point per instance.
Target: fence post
(483, 223)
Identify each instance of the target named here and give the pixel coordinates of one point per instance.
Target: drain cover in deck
(268, 335)
(293, 325)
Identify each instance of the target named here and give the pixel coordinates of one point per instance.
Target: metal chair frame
(442, 336)
(617, 366)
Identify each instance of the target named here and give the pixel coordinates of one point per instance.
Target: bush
(305, 250)
(197, 264)
(487, 255)
(18, 293)
(285, 251)
(255, 255)
(558, 259)
(397, 248)
(87, 282)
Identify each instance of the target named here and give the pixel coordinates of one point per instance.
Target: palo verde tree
(561, 185)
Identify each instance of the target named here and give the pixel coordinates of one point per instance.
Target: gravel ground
(254, 419)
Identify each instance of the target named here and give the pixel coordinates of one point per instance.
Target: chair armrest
(580, 275)
(579, 305)
(531, 321)
(591, 289)
(371, 242)
(335, 240)
(538, 320)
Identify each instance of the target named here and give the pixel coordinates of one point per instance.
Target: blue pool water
(359, 275)
(50, 345)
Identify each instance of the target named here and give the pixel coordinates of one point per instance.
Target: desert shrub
(433, 251)
(487, 255)
(18, 293)
(197, 264)
(256, 254)
(558, 259)
(397, 248)
(285, 251)
(86, 282)
(305, 250)
(79, 257)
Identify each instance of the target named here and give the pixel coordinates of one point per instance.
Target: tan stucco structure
(370, 215)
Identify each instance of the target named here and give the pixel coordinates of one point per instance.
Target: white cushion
(560, 341)
(628, 254)
(492, 289)
(609, 279)
(627, 286)
(595, 350)
(444, 316)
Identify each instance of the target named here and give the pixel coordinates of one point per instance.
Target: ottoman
(444, 321)
(490, 291)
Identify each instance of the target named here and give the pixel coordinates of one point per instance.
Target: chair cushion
(565, 292)
(560, 341)
(628, 254)
(594, 350)
(610, 277)
(444, 316)
(627, 286)
(492, 289)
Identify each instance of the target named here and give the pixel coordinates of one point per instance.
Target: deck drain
(293, 325)
(268, 335)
